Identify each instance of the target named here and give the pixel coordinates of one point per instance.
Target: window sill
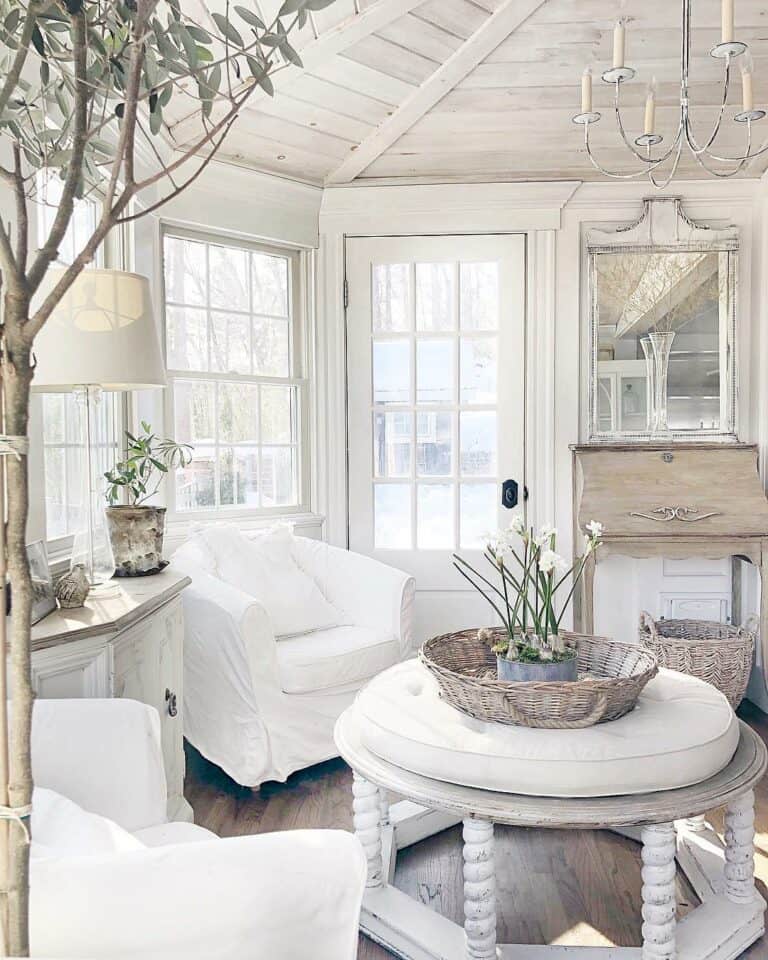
(180, 527)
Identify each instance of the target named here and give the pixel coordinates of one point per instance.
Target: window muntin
(236, 390)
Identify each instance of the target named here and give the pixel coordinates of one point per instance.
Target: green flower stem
(482, 592)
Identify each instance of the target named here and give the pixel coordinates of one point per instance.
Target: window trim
(301, 374)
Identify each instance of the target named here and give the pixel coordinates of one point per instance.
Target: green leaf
(37, 40)
(227, 29)
(250, 17)
(190, 47)
(198, 34)
(11, 22)
(290, 54)
(45, 73)
(266, 84)
(204, 55)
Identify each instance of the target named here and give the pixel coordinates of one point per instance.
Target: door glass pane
(479, 296)
(435, 295)
(392, 444)
(392, 516)
(478, 512)
(433, 444)
(478, 443)
(434, 514)
(434, 371)
(390, 288)
(391, 371)
(478, 370)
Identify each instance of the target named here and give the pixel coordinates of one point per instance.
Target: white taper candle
(747, 93)
(619, 40)
(586, 90)
(726, 16)
(650, 108)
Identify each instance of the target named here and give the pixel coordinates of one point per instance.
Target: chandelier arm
(743, 158)
(692, 142)
(653, 161)
(660, 184)
(724, 174)
(622, 176)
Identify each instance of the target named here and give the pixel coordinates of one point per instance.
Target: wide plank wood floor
(554, 886)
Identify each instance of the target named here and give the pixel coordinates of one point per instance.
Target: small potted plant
(136, 529)
(528, 575)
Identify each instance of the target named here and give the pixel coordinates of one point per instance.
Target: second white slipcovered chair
(280, 634)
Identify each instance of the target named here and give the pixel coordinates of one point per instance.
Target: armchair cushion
(60, 828)
(264, 568)
(334, 658)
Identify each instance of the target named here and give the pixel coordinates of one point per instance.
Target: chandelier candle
(727, 21)
(619, 40)
(586, 90)
(650, 108)
(747, 93)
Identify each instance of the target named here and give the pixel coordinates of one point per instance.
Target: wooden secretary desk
(673, 500)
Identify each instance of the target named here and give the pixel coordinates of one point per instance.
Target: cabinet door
(72, 670)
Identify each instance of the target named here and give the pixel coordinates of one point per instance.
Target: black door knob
(509, 494)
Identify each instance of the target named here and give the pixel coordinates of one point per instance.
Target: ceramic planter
(519, 671)
(136, 534)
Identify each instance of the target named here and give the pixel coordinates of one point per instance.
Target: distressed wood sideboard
(128, 644)
(672, 500)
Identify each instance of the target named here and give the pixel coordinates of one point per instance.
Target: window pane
(194, 412)
(238, 477)
(269, 278)
(187, 339)
(434, 371)
(392, 444)
(391, 371)
(391, 296)
(433, 444)
(479, 296)
(435, 294)
(278, 477)
(392, 516)
(230, 342)
(55, 493)
(478, 370)
(238, 413)
(196, 484)
(185, 271)
(434, 513)
(478, 443)
(228, 271)
(277, 414)
(271, 347)
(477, 507)
(54, 417)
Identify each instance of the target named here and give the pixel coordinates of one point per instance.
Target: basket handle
(647, 623)
(519, 716)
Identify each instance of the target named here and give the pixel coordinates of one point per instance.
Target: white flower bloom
(545, 654)
(518, 525)
(595, 529)
(545, 535)
(550, 561)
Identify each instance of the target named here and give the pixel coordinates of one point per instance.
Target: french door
(435, 361)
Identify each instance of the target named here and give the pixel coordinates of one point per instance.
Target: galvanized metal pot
(519, 671)
(136, 534)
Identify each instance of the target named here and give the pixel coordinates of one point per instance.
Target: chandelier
(649, 148)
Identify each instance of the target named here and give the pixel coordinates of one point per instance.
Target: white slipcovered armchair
(112, 879)
(261, 706)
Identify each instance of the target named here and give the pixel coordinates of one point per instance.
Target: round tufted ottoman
(649, 775)
(682, 731)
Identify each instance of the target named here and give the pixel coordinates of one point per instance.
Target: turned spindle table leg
(659, 902)
(479, 890)
(366, 817)
(740, 849)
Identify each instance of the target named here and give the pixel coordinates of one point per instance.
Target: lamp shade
(102, 333)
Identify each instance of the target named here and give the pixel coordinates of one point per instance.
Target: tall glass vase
(661, 344)
(650, 381)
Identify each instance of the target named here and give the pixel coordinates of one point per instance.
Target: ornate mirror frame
(663, 227)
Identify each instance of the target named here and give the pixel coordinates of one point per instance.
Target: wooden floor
(554, 886)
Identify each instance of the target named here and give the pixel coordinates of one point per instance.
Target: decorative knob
(170, 699)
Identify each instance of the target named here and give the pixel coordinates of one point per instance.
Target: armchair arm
(372, 593)
(290, 895)
(103, 754)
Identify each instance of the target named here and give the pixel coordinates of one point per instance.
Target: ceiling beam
(503, 22)
(317, 52)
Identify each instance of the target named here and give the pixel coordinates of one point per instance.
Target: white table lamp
(100, 336)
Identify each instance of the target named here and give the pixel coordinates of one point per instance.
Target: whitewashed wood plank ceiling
(478, 89)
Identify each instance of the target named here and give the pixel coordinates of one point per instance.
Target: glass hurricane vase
(661, 345)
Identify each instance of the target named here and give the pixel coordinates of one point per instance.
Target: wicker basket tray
(611, 676)
(715, 652)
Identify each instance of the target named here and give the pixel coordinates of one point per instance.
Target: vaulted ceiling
(482, 89)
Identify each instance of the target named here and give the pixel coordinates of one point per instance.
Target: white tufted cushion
(682, 731)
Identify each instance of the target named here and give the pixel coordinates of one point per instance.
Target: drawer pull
(170, 699)
(665, 514)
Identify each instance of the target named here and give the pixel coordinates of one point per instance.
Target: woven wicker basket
(715, 652)
(611, 676)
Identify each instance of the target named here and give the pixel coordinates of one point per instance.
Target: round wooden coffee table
(668, 824)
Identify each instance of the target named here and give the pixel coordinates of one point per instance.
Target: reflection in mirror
(662, 341)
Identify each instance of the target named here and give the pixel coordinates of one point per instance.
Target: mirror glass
(654, 314)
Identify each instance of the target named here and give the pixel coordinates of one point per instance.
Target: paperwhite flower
(550, 561)
(545, 654)
(518, 525)
(545, 535)
(595, 529)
